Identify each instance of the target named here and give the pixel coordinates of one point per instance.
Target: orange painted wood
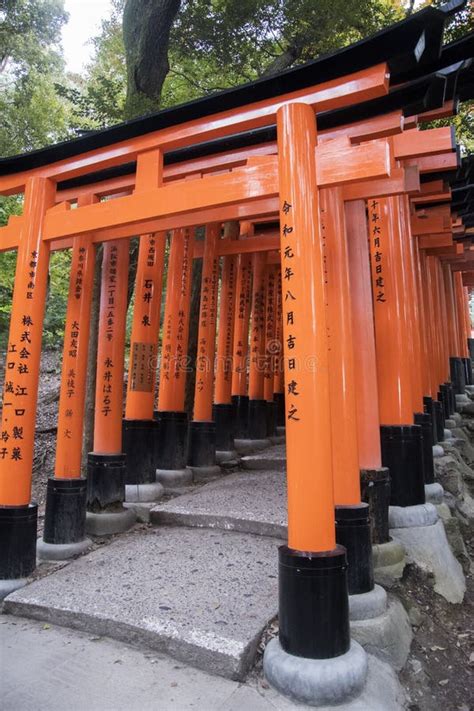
(361, 309)
(110, 349)
(206, 343)
(241, 321)
(257, 330)
(388, 288)
(414, 144)
(140, 398)
(176, 323)
(271, 285)
(360, 86)
(225, 325)
(20, 390)
(342, 383)
(75, 354)
(435, 240)
(401, 181)
(309, 457)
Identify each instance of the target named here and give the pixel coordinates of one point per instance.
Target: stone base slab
(428, 548)
(388, 636)
(389, 562)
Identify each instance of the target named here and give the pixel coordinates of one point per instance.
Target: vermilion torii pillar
(414, 329)
(352, 516)
(240, 398)
(18, 517)
(457, 364)
(270, 330)
(223, 409)
(313, 600)
(375, 479)
(172, 417)
(402, 444)
(257, 417)
(139, 428)
(278, 370)
(106, 464)
(202, 429)
(65, 515)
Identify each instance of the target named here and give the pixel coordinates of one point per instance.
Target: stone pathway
(201, 596)
(53, 668)
(250, 502)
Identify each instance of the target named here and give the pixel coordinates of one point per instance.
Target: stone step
(200, 596)
(251, 502)
(273, 458)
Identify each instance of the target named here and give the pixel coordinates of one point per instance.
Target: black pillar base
(105, 482)
(353, 533)
(18, 525)
(240, 408)
(313, 603)
(470, 345)
(443, 399)
(202, 444)
(223, 416)
(424, 420)
(139, 442)
(429, 408)
(452, 398)
(445, 391)
(458, 375)
(271, 418)
(65, 515)
(172, 440)
(439, 416)
(375, 491)
(279, 399)
(257, 419)
(468, 370)
(402, 453)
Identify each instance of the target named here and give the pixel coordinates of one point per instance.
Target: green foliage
(30, 33)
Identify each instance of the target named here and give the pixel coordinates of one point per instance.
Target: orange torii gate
(294, 176)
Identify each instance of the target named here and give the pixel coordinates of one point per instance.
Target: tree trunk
(146, 35)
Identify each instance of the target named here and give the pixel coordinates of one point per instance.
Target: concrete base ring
(106, 524)
(366, 606)
(9, 586)
(174, 478)
(316, 681)
(143, 493)
(61, 551)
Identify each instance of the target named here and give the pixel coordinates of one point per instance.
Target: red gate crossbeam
(243, 193)
(169, 205)
(337, 93)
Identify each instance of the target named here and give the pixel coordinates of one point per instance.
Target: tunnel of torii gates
(336, 264)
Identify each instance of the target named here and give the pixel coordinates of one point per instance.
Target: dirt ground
(439, 674)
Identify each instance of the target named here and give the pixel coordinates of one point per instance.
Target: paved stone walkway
(49, 668)
(249, 502)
